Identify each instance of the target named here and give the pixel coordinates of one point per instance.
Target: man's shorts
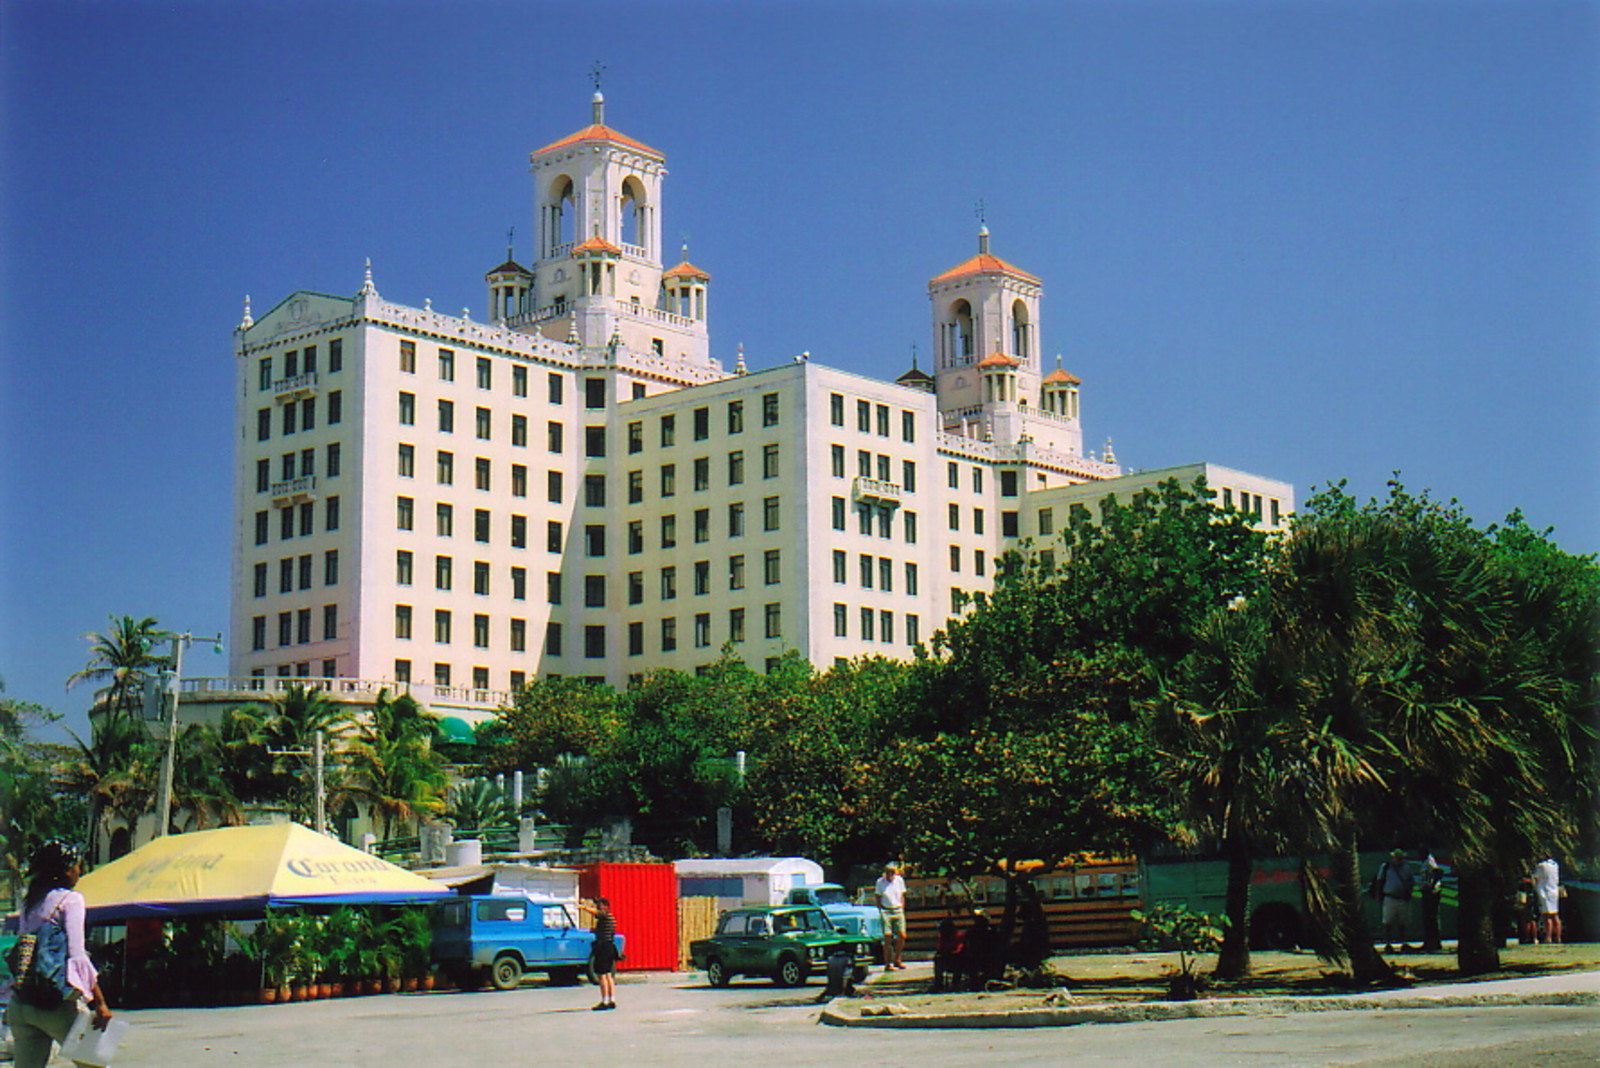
(894, 921)
(1396, 910)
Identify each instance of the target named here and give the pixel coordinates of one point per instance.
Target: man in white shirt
(1547, 900)
(891, 891)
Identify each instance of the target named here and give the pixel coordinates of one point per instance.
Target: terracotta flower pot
(269, 995)
(429, 981)
(297, 992)
(391, 985)
(283, 994)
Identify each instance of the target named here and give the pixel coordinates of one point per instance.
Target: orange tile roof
(601, 133)
(510, 267)
(686, 270)
(999, 359)
(597, 244)
(984, 263)
(1059, 375)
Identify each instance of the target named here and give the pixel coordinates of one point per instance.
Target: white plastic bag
(89, 1044)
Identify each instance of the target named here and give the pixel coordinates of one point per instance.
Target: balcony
(886, 494)
(294, 491)
(288, 390)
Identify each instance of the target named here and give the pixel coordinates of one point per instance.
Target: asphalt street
(677, 1019)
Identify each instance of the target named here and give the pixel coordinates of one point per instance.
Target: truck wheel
(790, 972)
(506, 973)
(716, 973)
(860, 974)
(568, 976)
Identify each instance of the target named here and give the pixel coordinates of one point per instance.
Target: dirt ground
(1137, 976)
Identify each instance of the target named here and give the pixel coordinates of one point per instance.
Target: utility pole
(169, 695)
(319, 817)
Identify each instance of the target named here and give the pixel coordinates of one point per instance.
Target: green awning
(457, 730)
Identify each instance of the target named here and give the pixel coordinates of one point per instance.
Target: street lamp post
(169, 754)
(318, 783)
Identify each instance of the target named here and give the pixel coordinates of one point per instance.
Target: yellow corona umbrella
(240, 869)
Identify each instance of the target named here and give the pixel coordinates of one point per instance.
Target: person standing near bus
(1547, 900)
(891, 892)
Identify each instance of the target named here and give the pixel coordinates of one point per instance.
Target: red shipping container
(644, 899)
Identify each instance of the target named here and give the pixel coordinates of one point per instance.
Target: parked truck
(499, 938)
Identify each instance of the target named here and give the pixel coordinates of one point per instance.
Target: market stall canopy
(243, 869)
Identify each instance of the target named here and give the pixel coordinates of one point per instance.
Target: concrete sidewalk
(1061, 1009)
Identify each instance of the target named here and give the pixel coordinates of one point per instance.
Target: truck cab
(499, 938)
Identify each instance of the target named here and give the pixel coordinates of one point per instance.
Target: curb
(846, 1012)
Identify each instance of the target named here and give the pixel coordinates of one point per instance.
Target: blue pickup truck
(499, 938)
(863, 923)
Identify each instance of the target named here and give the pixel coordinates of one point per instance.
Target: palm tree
(115, 771)
(119, 660)
(269, 742)
(391, 765)
(200, 781)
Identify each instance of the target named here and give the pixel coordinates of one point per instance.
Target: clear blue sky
(1317, 241)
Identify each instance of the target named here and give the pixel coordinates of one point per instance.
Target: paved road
(677, 1020)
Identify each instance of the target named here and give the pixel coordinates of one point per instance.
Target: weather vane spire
(596, 75)
(983, 227)
(511, 232)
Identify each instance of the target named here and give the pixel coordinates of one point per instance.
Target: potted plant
(1173, 927)
(415, 937)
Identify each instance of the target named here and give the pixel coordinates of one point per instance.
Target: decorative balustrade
(293, 491)
(290, 389)
(361, 690)
(870, 489)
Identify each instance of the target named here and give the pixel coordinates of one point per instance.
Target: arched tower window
(563, 222)
(1021, 331)
(963, 341)
(633, 228)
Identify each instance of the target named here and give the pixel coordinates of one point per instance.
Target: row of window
(293, 519)
(302, 464)
(296, 573)
(874, 572)
(300, 415)
(865, 421)
(294, 627)
(866, 512)
(882, 472)
(555, 388)
(517, 630)
(876, 625)
(700, 423)
(594, 485)
(298, 362)
(594, 533)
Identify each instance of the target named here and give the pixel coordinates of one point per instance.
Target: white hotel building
(575, 487)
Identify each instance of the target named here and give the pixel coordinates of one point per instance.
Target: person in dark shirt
(603, 954)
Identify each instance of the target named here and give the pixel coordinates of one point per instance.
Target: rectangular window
(519, 430)
(518, 680)
(885, 574)
(259, 585)
(519, 381)
(863, 463)
(955, 516)
(483, 424)
(736, 624)
(977, 480)
(444, 520)
(594, 539)
(402, 621)
(403, 567)
(885, 626)
(669, 532)
(258, 634)
(636, 587)
(868, 617)
(261, 528)
(864, 519)
(838, 513)
(836, 409)
(330, 622)
(702, 474)
(736, 572)
(403, 507)
(481, 471)
(594, 591)
(635, 437)
(702, 577)
(519, 480)
(264, 381)
(702, 630)
(840, 617)
(285, 628)
(263, 475)
(841, 562)
(333, 459)
(307, 518)
(955, 558)
(519, 635)
(1008, 483)
(635, 536)
(335, 407)
(286, 574)
(636, 639)
(594, 491)
(669, 583)
(769, 514)
(441, 625)
(883, 420)
(911, 579)
(445, 468)
(291, 411)
(736, 467)
(553, 437)
(669, 431)
(552, 534)
(773, 614)
(702, 423)
(702, 525)
(553, 487)
(594, 393)
(908, 476)
(769, 409)
(769, 461)
(485, 373)
(977, 520)
(736, 520)
(594, 441)
(908, 426)
(443, 567)
(837, 453)
(552, 639)
(669, 634)
(977, 562)
(408, 409)
(864, 416)
(913, 630)
(308, 413)
(883, 468)
(911, 528)
(331, 513)
(953, 475)
(552, 587)
(480, 577)
(408, 357)
(1008, 524)
(1047, 522)
(771, 566)
(736, 417)
(635, 487)
(304, 571)
(302, 626)
(865, 568)
(519, 584)
(669, 480)
(553, 387)
(447, 365)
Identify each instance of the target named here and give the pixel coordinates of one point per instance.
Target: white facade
(577, 488)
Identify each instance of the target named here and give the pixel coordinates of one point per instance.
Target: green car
(784, 943)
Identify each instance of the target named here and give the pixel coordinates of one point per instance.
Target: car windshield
(832, 896)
